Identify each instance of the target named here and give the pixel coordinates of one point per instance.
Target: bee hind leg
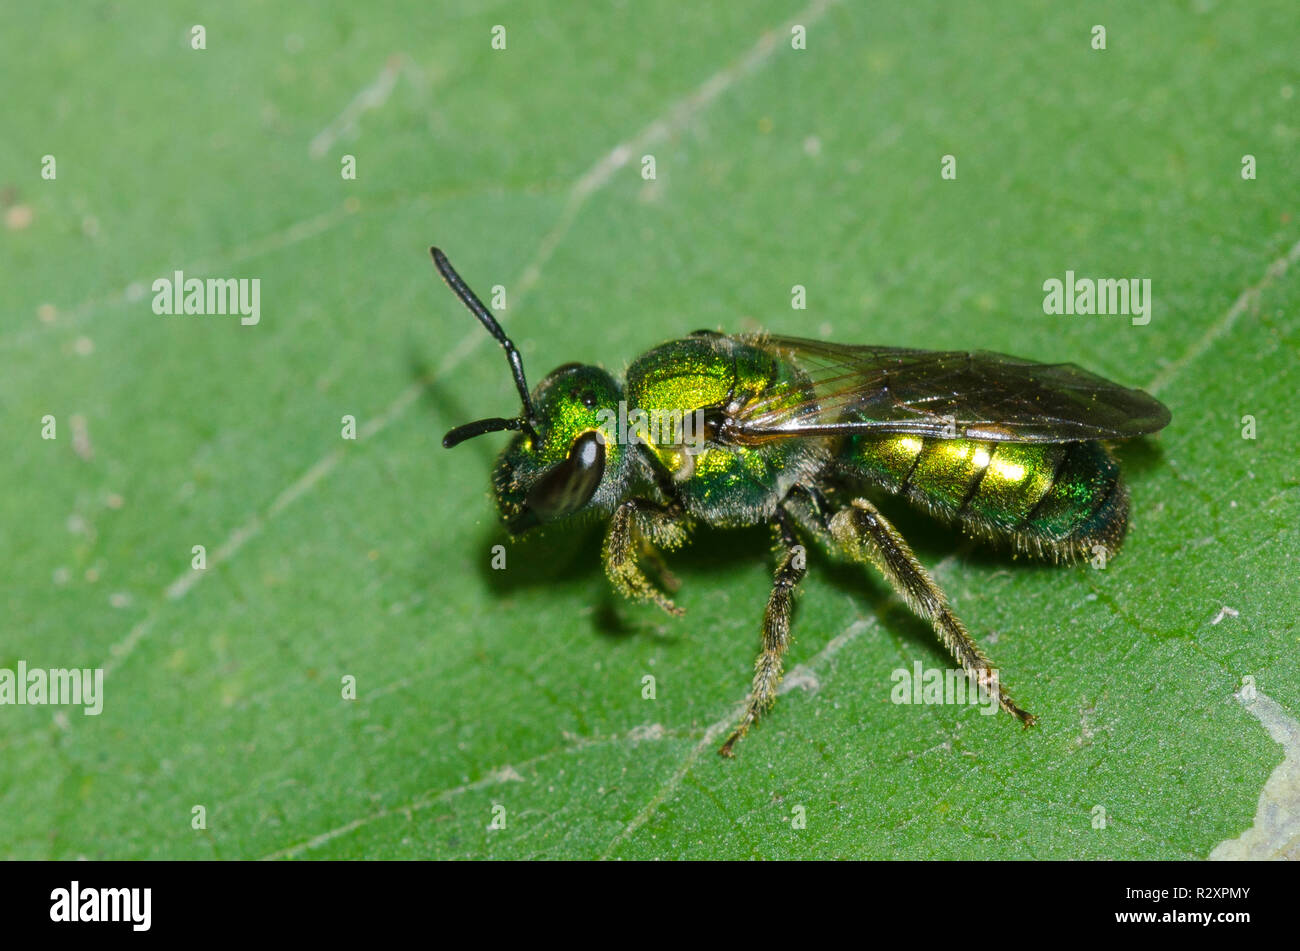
(861, 532)
(776, 631)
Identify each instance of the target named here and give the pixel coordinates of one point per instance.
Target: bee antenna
(478, 428)
(467, 297)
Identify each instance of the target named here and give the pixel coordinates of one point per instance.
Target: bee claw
(669, 606)
(1026, 719)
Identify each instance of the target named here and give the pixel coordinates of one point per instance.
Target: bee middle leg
(776, 632)
(864, 534)
(635, 527)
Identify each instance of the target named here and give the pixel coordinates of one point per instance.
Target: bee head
(560, 469)
(560, 459)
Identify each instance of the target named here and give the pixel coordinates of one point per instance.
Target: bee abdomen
(1051, 500)
(1085, 506)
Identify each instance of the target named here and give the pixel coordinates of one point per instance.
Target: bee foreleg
(776, 631)
(634, 528)
(667, 580)
(864, 534)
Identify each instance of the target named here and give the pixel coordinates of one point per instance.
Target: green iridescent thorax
(721, 485)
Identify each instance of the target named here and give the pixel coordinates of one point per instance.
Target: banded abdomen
(1053, 500)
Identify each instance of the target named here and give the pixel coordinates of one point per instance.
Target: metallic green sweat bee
(792, 433)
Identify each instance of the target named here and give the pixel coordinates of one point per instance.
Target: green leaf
(522, 689)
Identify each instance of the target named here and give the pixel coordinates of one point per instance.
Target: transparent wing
(944, 394)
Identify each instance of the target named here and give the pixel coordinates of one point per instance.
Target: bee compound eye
(569, 486)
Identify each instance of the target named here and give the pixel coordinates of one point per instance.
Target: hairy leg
(776, 631)
(636, 526)
(863, 533)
